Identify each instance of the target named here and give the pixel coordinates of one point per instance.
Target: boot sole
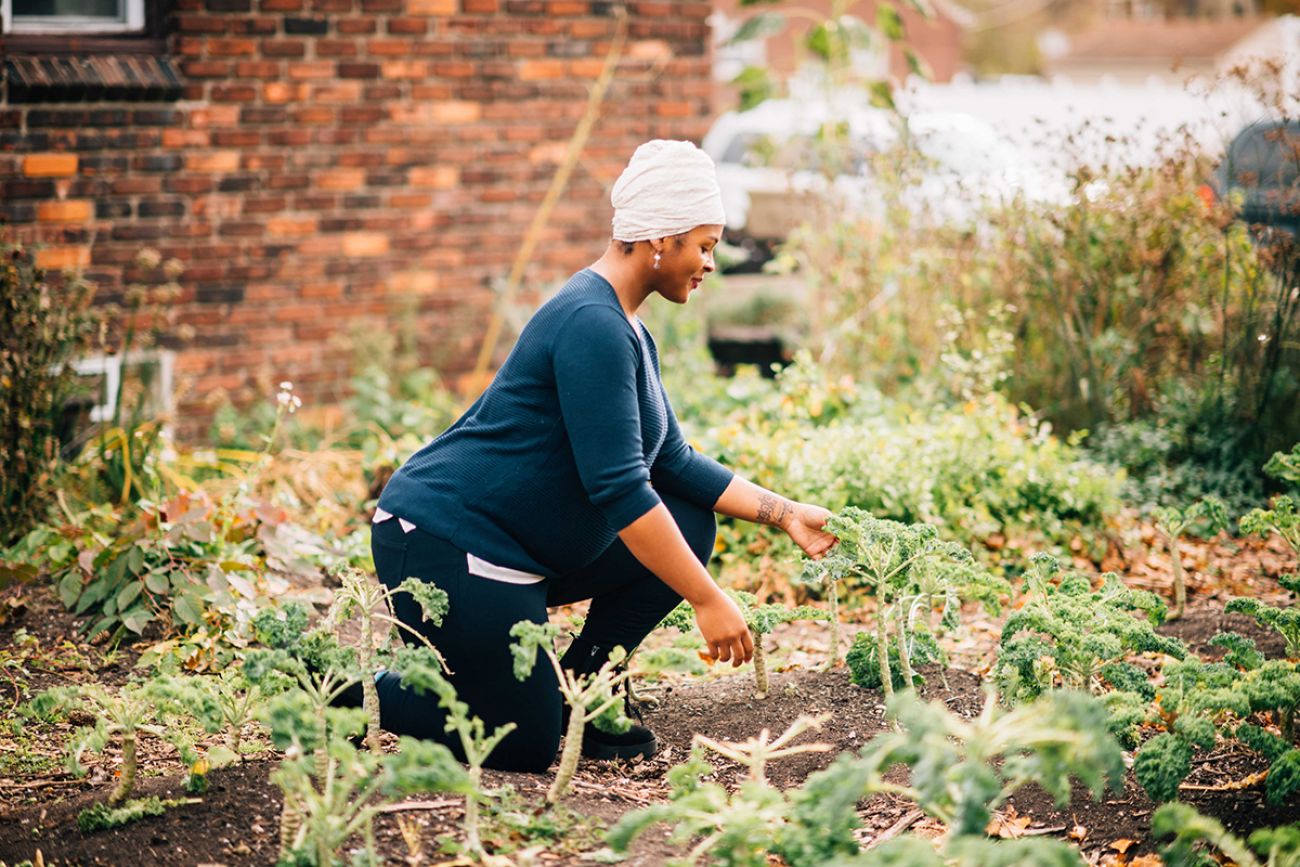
(606, 752)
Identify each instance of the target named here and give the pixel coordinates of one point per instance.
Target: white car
(772, 174)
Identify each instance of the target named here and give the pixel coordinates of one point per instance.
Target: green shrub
(44, 324)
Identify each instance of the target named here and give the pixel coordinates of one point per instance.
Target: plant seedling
(754, 753)
(740, 829)
(1173, 522)
(355, 788)
(421, 671)
(591, 698)
(761, 620)
(124, 713)
(362, 597)
(962, 770)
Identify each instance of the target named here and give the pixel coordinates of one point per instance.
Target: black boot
(637, 742)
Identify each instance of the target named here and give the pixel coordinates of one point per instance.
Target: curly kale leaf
(1126, 677)
(1283, 778)
(1161, 765)
(1241, 651)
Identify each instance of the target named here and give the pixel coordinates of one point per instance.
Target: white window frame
(132, 22)
(110, 368)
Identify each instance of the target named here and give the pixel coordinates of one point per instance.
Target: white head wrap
(668, 187)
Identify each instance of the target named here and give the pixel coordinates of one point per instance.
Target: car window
(1267, 156)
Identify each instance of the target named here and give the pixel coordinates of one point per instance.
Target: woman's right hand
(724, 629)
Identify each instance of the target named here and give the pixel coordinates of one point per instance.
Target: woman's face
(684, 261)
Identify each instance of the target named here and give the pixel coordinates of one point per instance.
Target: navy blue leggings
(627, 601)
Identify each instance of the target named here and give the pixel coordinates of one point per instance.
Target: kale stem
(127, 780)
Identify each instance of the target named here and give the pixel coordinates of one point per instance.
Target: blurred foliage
(44, 325)
(1136, 309)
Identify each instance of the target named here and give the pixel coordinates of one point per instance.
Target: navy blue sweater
(567, 446)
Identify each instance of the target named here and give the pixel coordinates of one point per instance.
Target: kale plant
(1201, 701)
(591, 698)
(907, 568)
(740, 828)
(123, 714)
(961, 771)
(1072, 636)
(355, 788)
(422, 672)
(761, 620)
(1278, 847)
(1209, 512)
(362, 597)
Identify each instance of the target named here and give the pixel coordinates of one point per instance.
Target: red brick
(269, 205)
(431, 7)
(358, 70)
(314, 115)
(236, 138)
(441, 177)
(257, 69)
(481, 7)
(200, 24)
(182, 138)
(336, 48)
(56, 258)
(405, 27)
(205, 68)
(341, 179)
(291, 227)
(50, 165)
(233, 93)
(278, 92)
(67, 211)
(281, 5)
(232, 47)
(311, 69)
(136, 186)
(537, 70)
(216, 161)
(356, 26)
(365, 244)
(567, 8)
(188, 184)
(284, 48)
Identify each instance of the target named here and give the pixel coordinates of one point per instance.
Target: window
(72, 16)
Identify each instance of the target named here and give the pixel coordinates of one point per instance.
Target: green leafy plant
(1212, 516)
(355, 787)
(361, 598)
(739, 828)
(1200, 701)
(761, 620)
(961, 771)
(123, 714)
(422, 672)
(102, 817)
(307, 670)
(1069, 635)
(44, 325)
(906, 568)
(1278, 847)
(591, 698)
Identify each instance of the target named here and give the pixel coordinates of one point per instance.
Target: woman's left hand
(805, 528)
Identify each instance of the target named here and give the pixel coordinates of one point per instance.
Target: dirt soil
(236, 821)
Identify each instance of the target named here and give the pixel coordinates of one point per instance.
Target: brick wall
(333, 162)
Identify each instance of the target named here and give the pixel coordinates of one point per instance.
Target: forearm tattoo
(773, 509)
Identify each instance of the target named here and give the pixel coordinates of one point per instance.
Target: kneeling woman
(569, 479)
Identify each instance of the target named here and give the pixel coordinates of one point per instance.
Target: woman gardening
(569, 479)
